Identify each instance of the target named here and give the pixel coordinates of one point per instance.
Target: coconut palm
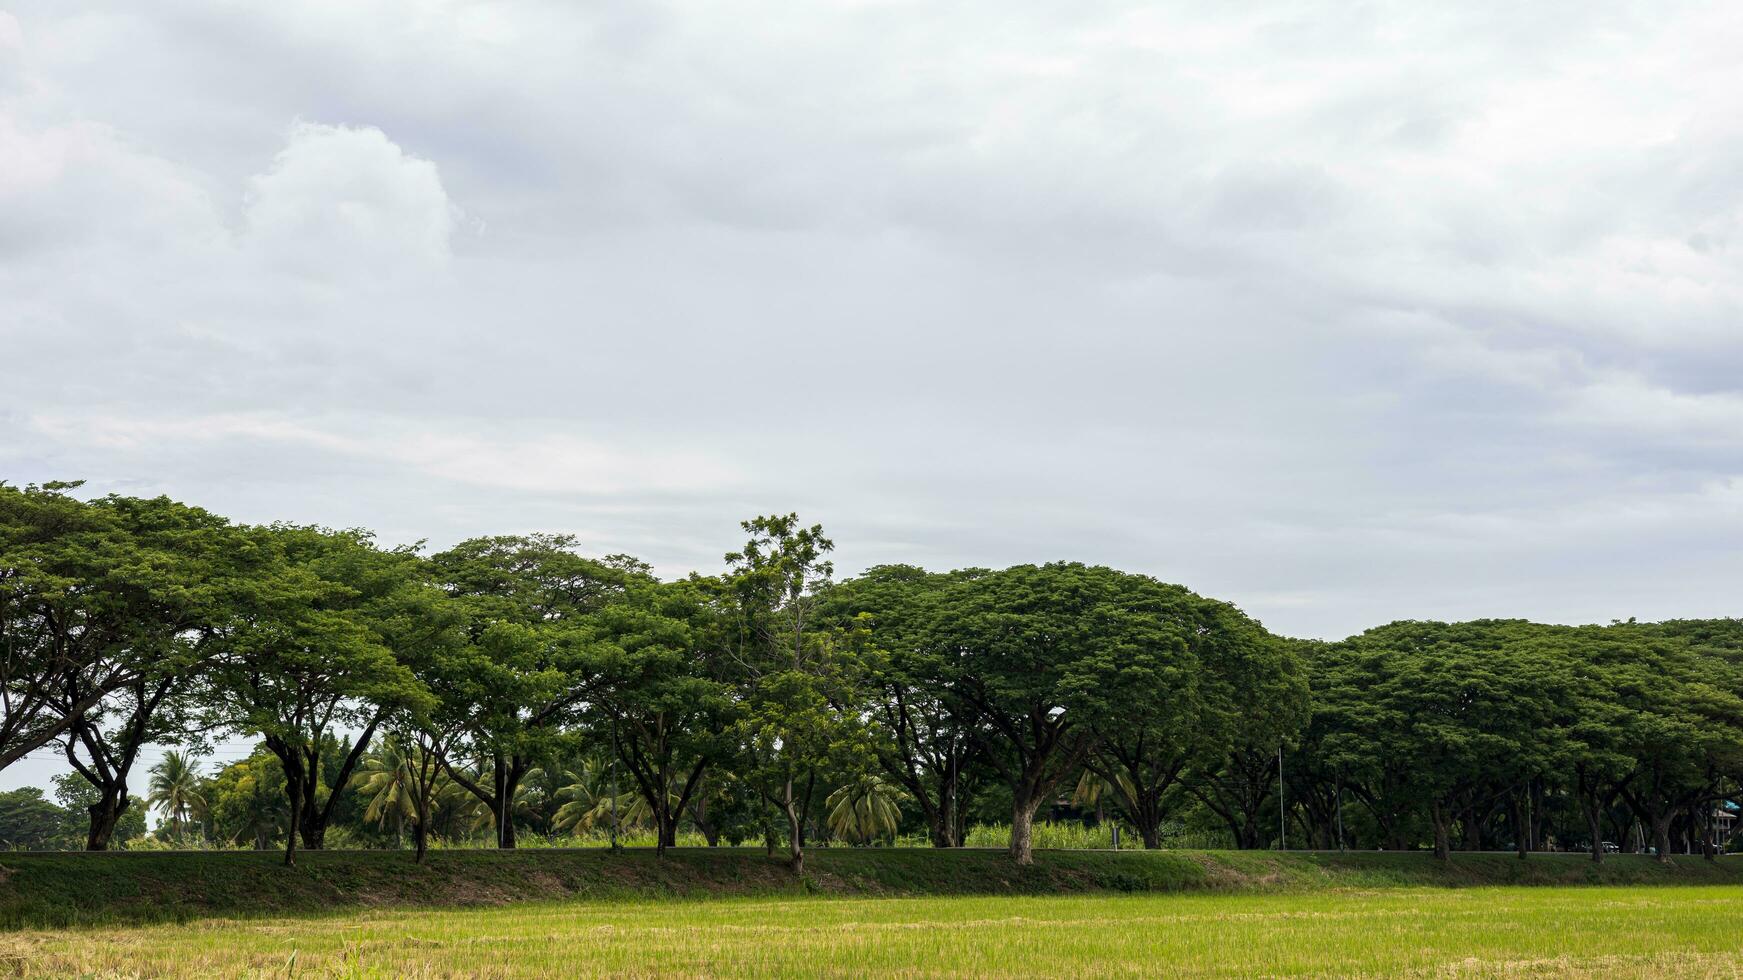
(524, 808)
(588, 804)
(1094, 790)
(175, 791)
(865, 809)
(389, 784)
(581, 795)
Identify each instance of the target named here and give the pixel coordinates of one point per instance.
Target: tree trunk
(508, 777)
(1024, 803)
(939, 830)
(1521, 831)
(1442, 838)
(1152, 835)
(314, 829)
(421, 838)
(1594, 825)
(944, 826)
(1472, 830)
(290, 836)
(105, 814)
(505, 837)
(795, 831)
(1661, 835)
(699, 813)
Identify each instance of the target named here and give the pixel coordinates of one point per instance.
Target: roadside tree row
(513, 683)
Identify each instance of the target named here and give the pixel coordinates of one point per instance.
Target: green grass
(1489, 931)
(55, 890)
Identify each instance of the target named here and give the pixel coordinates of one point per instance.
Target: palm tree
(581, 797)
(175, 790)
(865, 809)
(588, 804)
(522, 809)
(389, 785)
(1094, 790)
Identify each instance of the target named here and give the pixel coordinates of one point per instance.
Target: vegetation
(512, 689)
(61, 890)
(1482, 931)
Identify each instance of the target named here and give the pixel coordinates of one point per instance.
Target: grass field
(1596, 931)
(858, 911)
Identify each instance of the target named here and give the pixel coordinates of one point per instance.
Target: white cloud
(347, 201)
(1341, 312)
(550, 463)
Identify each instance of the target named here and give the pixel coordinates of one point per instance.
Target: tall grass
(1076, 836)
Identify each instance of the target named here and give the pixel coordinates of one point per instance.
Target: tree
(662, 706)
(73, 792)
(321, 646)
(1220, 689)
(175, 791)
(197, 554)
(247, 801)
(865, 809)
(1037, 658)
(1681, 722)
(587, 802)
(923, 744)
(796, 671)
(111, 595)
(387, 778)
(531, 656)
(1461, 707)
(30, 823)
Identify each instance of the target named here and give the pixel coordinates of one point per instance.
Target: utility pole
(1282, 828)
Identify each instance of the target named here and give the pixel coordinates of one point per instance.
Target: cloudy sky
(1345, 312)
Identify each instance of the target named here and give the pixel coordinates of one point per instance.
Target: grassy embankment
(54, 890)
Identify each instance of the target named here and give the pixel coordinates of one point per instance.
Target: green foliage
(247, 802)
(865, 810)
(177, 793)
(30, 823)
(800, 674)
(77, 795)
(530, 689)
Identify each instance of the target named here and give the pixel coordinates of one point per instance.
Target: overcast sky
(1344, 312)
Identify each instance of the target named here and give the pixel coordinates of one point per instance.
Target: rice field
(1588, 931)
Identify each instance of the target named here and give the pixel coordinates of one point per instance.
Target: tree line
(514, 683)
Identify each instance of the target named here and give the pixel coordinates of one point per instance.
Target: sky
(1343, 312)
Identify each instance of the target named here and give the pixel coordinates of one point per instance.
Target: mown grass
(54, 890)
(1595, 931)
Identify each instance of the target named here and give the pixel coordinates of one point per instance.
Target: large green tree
(1040, 659)
(531, 659)
(1465, 709)
(99, 598)
(321, 647)
(797, 672)
(1680, 722)
(663, 704)
(1219, 688)
(923, 741)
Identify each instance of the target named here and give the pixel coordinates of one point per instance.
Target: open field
(1595, 931)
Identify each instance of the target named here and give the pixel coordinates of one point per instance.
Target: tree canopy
(516, 684)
